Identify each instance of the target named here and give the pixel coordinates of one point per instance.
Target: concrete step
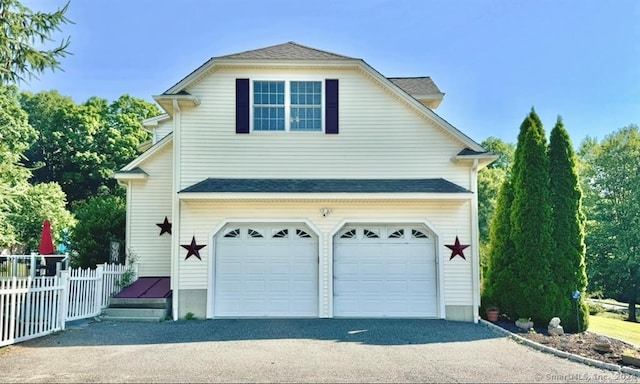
(123, 318)
(116, 302)
(135, 313)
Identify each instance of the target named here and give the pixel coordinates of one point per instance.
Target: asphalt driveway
(313, 350)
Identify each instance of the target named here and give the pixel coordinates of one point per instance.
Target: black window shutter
(242, 105)
(331, 106)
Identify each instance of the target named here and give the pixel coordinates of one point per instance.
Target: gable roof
(325, 186)
(287, 51)
(298, 54)
(280, 52)
(416, 85)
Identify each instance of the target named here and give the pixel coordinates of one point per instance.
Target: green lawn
(616, 328)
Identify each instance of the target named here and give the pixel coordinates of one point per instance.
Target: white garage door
(266, 271)
(384, 272)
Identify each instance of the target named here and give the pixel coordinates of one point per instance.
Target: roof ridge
(281, 46)
(319, 50)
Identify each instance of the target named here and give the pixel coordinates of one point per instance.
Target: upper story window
(267, 105)
(287, 105)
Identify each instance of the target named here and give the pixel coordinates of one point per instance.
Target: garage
(266, 270)
(384, 271)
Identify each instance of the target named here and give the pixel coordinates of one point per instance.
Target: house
(289, 181)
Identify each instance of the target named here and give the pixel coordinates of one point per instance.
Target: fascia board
(323, 196)
(467, 141)
(195, 75)
(153, 122)
(150, 152)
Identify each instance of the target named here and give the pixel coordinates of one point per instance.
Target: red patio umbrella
(46, 243)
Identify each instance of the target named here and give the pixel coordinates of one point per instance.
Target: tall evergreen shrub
(568, 256)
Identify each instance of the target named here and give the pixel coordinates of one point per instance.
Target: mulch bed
(581, 344)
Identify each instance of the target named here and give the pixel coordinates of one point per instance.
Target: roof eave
(219, 62)
(153, 122)
(426, 110)
(483, 159)
(166, 101)
(127, 176)
(282, 196)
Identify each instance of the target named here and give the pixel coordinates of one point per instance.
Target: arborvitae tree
(521, 274)
(500, 286)
(568, 257)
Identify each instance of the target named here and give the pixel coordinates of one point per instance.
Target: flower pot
(492, 315)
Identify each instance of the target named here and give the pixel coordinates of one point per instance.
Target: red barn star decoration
(193, 249)
(457, 249)
(165, 226)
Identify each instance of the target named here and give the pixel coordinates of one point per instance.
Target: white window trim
(287, 103)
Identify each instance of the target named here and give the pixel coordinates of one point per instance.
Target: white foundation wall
(448, 219)
(149, 203)
(381, 135)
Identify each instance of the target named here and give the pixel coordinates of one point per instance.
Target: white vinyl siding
(150, 203)
(450, 219)
(380, 136)
(163, 129)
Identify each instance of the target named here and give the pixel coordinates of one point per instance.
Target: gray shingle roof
(136, 170)
(326, 186)
(471, 152)
(416, 85)
(287, 51)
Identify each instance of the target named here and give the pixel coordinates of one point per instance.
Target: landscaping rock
(554, 328)
(603, 345)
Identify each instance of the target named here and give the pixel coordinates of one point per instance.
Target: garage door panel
(396, 286)
(372, 268)
(278, 286)
(346, 268)
(273, 275)
(370, 287)
(345, 287)
(392, 275)
(396, 268)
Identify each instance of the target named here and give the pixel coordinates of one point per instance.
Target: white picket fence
(32, 307)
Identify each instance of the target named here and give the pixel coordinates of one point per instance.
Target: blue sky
(494, 59)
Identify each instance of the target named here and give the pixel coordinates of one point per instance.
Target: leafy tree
(65, 151)
(81, 146)
(122, 132)
(568, 257)
(21, 29)
(613, 202)
(101, 219)
(15, 137)
(39, 203)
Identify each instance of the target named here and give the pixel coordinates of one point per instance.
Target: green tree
(519, 276)
(612, 175)
(39, 203)
(65, 151)
(15, 137)
(81, 146)
(500, 284)
(489, 181)
(568, 257)
(531, 224)
(21, 31)
(101, 219)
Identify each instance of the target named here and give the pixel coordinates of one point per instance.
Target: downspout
(175, 211)
(127, 234)
(475, 239)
